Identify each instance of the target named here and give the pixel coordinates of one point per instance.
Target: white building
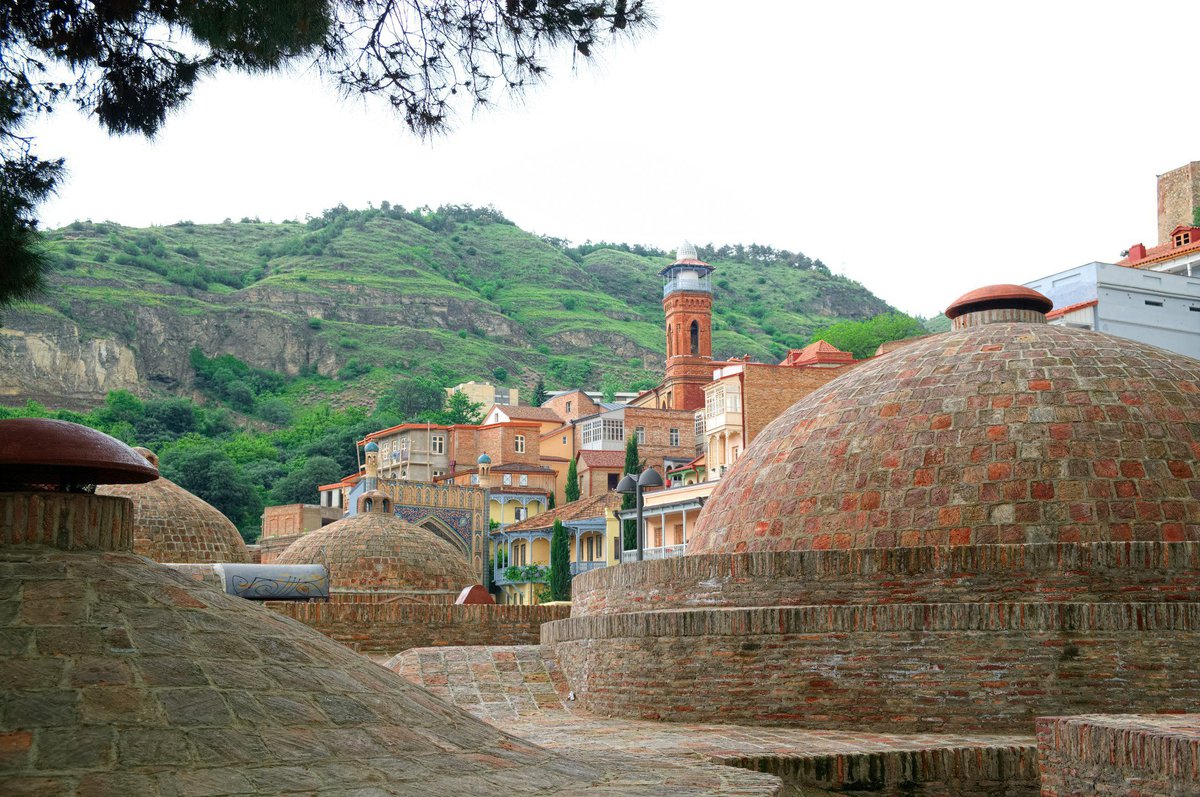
(1155, 307)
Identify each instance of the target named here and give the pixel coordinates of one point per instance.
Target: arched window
(670, 334)
(695, 337)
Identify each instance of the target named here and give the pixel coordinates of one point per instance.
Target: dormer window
(1183, 239)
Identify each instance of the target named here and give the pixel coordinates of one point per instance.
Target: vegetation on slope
(386, 307)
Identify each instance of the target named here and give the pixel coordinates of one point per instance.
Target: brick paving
(521, 690)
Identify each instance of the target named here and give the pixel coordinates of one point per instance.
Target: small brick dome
(384, 555)
(171, 524)
(1001, 433)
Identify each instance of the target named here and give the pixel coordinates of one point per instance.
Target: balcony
(665, 552)
(583, 567)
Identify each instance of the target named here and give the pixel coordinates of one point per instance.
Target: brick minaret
(687, 303)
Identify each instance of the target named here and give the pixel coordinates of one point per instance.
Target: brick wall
(658, 424)
(1000, 770)
(921, 667)
(1130, 756)
(768, 390)
(581, 405)
(1081, 573)
(393, 627)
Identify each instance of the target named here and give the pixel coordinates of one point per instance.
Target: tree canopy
(862, 338)
(131, 63)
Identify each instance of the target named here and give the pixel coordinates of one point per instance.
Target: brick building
(282, 525)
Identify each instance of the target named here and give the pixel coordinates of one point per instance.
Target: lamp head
(627, 485)
(649, 478)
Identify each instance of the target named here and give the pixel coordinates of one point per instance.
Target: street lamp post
(637, 486)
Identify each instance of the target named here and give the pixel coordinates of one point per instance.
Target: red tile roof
(1167, 251)
(591, 507)
(603, 459)
(1070, 308)
(817, 352)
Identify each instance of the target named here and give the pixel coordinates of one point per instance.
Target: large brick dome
(171, 524)
(999, 433)
(384, 556)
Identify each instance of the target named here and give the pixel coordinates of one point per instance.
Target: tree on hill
(300, 486)
(207, 471)
(633, 466)
(571, 488)
(560, 564)
(130, 64)
(539, 393)
(412, 398)
(457, 409)
(862, 338)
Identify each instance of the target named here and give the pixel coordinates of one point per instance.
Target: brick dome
(383, 555)
(171, 524)
(1001, 433)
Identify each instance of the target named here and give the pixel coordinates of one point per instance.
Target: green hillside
(251, 356)
(344, 303)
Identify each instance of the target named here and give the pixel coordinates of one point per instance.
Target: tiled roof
(591, 507)
(1165, 251)
(1070, 308)
(819, 351)
(603, 459)
(525, 413)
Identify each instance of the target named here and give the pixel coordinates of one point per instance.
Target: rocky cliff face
(46, 358)
(464, 299)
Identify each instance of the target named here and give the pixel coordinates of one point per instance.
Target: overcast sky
(921, 148)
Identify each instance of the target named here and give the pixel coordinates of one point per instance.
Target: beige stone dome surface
(171, 524)
(1003, 433)
(380, 553)
(123, 677)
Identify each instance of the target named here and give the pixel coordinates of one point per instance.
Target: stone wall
(395, 627)
(1178, 196)
(1081, 573)
(918, 667)
(1130, 756)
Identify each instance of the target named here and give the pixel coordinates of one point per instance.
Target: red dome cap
(44, 453)
(996, 297)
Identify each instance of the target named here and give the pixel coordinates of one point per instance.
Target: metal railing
(583, 567)
(665, 552)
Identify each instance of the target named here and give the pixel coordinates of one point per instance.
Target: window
(613, 478)
(475, 478)
(438, 473)
(614, 430)
(695, 335)
(568, 406)
(437, 444)
(674, 437)
(508, 478)
(1183, 239)
(520, 513)
(564, 440)
(1153, 304)
(520, 444)
(641, 434)
(590, 540)
(524, 480)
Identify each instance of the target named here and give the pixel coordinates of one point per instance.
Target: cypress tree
(571, 491)
(550, 501)
(539, 393)
(560, 564)
(633, 465)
